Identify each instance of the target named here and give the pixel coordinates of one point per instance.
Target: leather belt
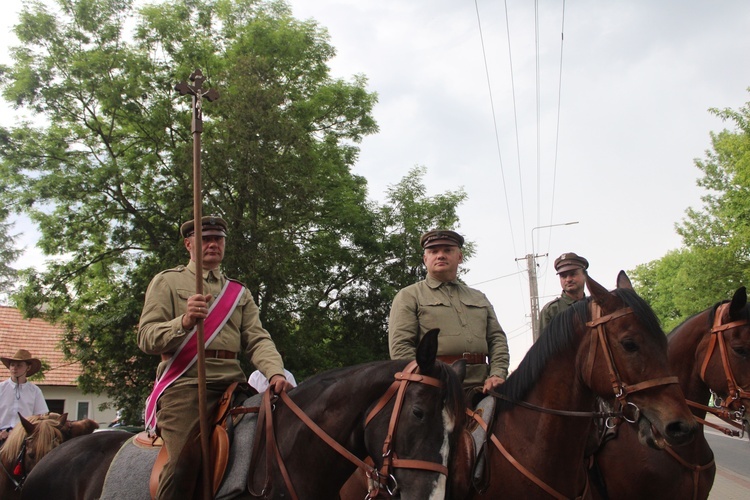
(210, 354)
(472, 358)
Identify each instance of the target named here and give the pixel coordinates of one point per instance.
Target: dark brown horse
(709, 352)
(609, 345)
(29, 441)
(348, 405)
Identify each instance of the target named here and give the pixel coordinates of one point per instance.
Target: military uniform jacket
(466, 320)
(161, 331)
(553, 308)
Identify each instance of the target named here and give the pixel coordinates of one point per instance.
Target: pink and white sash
(187, 354)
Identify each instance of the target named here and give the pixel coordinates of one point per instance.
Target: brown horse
(609, 345)
(709, 352)
(405, 421)
(29, 441)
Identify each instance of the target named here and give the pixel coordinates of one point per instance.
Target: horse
(710, 353)
(608, 345)
(406, 419)
(29, 441)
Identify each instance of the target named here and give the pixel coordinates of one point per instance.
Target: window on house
(82, 409)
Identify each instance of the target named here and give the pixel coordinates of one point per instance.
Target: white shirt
(26, 399)
(260, 382)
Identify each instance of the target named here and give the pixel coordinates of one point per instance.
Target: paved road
(732, 466)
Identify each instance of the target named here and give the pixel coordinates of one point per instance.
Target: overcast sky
(599, 126)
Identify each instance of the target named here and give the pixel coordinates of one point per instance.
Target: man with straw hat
(16, 394)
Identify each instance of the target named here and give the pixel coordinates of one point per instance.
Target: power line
(494, 122)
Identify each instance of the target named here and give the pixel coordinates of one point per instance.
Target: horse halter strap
(620, 389)
(397, 389)
(735, 392)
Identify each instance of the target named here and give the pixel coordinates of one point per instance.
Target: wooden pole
(198, 94)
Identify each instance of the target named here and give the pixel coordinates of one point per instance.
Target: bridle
(626, 409)
(18, 475)
(731, 407)
(731, 410)
(619, 388)
(380, 481)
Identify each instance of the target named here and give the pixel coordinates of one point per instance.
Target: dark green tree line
(107, 178)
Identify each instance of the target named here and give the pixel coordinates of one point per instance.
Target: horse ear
(623, 281)
(62, 419)
(27, 426)
(739, 301)
(601, 295)
(427, 351)
(459, 366)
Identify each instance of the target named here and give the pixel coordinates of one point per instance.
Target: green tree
(716, 258)
(8, 254)
(108, 179)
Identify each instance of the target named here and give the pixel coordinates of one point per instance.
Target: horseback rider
(170, 315)
(17, 395)
(571, 268)
(469, 328)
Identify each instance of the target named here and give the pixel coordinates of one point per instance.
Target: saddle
(219, 444)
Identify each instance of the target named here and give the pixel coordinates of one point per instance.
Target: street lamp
(533, 287)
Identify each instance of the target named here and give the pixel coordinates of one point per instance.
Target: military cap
(569, 261)
(441, 237)
(212, 225)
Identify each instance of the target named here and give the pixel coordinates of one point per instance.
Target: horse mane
(560, 336)
(745, 314)
(47, 435)
(452, 392)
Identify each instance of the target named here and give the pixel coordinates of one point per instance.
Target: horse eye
(417, 412)
(741, 351)
(629, 345)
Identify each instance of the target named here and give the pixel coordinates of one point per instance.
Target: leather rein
(379, 480)
(620, 389)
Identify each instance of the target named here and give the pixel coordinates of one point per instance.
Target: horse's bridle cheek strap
(717, 337)
(597, 323)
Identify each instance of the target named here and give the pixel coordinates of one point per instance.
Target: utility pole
(534, 293)
(533, 284)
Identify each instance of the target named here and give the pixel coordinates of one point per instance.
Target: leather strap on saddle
(219, 445)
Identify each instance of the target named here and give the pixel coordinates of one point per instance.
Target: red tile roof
(42, 340)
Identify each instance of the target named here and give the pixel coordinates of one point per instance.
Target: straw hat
(24, 355)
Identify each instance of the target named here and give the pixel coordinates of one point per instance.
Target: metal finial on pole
(198, 93)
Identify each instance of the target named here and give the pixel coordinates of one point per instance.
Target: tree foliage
(716, 258)
(107, 178)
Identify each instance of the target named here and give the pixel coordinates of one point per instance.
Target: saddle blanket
(128, 475)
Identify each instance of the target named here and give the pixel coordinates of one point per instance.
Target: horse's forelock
(452, 391)
(642, 311)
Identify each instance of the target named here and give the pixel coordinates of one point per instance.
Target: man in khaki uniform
(469, 328)
(572, 271)
(171, 311)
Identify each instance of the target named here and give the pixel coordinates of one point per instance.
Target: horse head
(630, 365)
(426, 428)
(724, 356)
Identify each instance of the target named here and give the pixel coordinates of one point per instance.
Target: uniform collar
(207, 274)
(436, 283)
